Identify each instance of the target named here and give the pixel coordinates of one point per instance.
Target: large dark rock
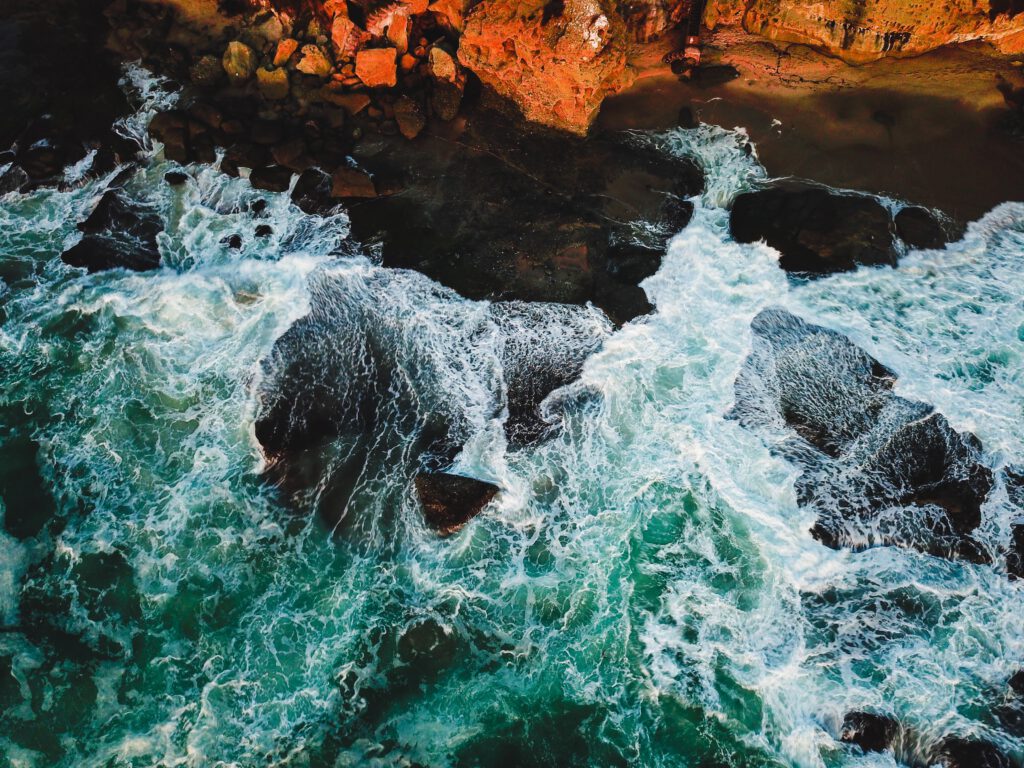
(450, 501)
(871, 732)
(816, 230)
(354, 392)
(499, 212)
(919, 228)
(119, 233)
(877, 468)
(956, 752)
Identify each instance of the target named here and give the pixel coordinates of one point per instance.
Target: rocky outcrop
(869, 29)
(119, 233)
(450, 501)
(877, 468)
(555, 61)
(818, 230)
(869, 731)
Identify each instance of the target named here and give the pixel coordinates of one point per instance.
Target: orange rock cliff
(557, 60)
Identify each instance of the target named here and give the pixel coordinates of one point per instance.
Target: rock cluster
(878, 469)
(331, 55)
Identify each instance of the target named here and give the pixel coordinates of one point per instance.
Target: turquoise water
(644, 591)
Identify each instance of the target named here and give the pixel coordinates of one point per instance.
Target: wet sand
(930, 129)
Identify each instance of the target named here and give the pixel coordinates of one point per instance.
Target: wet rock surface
(350, 368)
(450, 501)
(119, 233)
(956, 752)
(497, 213)
(878, 469)
(869, 731)
(816, 230)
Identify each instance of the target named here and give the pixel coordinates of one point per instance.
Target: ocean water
(644, 591)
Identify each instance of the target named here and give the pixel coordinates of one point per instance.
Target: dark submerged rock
(312, 193)
(919, 228)
(871, 732)
(877, 468)
(119, 233)
(273, 178)
(956, 752)
(451, 501)
(816, 230)
(175, 178)
(338, 401)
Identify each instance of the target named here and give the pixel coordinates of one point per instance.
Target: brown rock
(285, 49)
(376, 67)
(409, 117)
(441, 64)
(351, 182)
(398, 32)
(556, 70)
(446, 98)
(292, 154)
(450, 501)
(344, 35)
(314, 62)
(353, 103)
(272, 178)
(273, 83)
(207, 72)
(269, 26)
(408, 62)
(239, 62)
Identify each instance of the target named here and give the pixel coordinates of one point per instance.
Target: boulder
(543, 353)
(451, 501)
(555, 62)
(919, 228)
(871, 732)
(312, 193)
(171, 129)
(119, 233)
(409, 117)
(284, 51)
(273, 83)
(377, 67)
(816, 230)
(239, 62)
(207, 71)
(313, 61)
(349, 182)
(273, 178)
(876, 468)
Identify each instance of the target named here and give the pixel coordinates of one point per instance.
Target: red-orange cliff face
(556, 60)
(862, 30)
